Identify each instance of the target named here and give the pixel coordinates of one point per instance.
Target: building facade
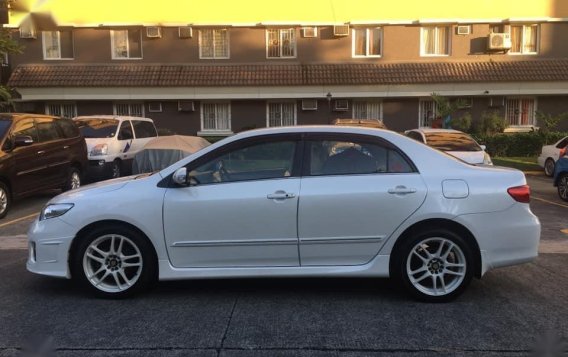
(222, 78)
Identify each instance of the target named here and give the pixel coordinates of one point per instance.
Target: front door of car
(356, 190)
(240, 208)
(29, 166)
(51, 152)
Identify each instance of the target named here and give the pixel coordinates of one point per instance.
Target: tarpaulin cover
(164, 151)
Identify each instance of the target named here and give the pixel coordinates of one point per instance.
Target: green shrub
(518, 144)
(491, 122)
(462, 123)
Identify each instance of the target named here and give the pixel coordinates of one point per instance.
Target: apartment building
(218, 78)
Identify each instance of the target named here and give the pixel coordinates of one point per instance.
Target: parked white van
(112, 142)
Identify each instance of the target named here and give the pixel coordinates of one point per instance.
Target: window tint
(445, 141)
(256, 162)
(144, 129)
(125, 132)
(47, 130)
(97, 128)
(344, 158)
(25, 127)
(68, 128)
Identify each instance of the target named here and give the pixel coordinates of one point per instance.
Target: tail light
(520, 193)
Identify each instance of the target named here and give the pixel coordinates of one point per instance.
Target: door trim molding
(246, 242)
(342, 240)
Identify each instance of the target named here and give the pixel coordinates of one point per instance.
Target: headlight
(100, 149)
(55, 210)
(487, 159)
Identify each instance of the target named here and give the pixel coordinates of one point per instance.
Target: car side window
(255, 162)
(125, 132)
(144, 129)
(351, 158)
(25, 127)
(562, 144)
(47, 130)
(68, 128)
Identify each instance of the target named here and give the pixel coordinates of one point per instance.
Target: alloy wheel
(75, 180)
(436, 266)
(549, 167)
(563, 187)
(3, 200)
(112, 263)
(115, 170)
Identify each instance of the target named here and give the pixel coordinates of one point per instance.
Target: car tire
(116, 169)
(435, 265)
(549, 167)
(5, 199)
(563, 186)
(126, 269)
(73, 180)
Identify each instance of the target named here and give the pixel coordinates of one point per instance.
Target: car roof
(26, 115)
(115, 117)
(435, 130)
(314, 129)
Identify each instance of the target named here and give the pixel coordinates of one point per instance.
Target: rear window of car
(97, 128)
(68, 128)
(452, 142)
(4, 126)
(47, 130)
(144, 129)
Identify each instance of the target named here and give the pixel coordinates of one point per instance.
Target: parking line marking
(547, 201)
(18, 220)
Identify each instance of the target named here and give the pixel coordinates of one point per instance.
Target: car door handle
(280, 195)
(401, 190)
(41, 152)
(66, 147)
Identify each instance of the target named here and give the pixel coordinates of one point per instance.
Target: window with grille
(427, 112)
(215, 116)
(126, 43)
(435, 41)
(281, 43)
(129, 109)
(367, 110)
(281, 114)
(367, 42)
(520, 111)
(524, 39)
(66, 110)
(57, 44)
(214, 43)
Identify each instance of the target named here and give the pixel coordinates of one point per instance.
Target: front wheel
(116, 169)
(549, 167)
(114, 262)
(434, 266)
(563, 186)
(5, 200)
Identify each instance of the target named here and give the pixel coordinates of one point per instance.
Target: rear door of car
(51, 151)
(355, 191)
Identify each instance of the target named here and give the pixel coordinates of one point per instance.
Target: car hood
(471, 157)
(93, 189)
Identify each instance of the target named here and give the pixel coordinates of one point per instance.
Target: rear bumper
(505, 238)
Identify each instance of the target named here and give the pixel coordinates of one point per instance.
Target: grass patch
(519, 163)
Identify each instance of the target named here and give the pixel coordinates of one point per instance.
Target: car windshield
(4, 126)
(445, 141)
(97, 128)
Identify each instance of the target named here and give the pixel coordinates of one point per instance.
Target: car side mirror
(23, 140)
(180, 176)
(483, 147)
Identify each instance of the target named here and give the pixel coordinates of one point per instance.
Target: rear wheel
(5, 200)
(73, 179)
(563, 186)
(549, 167)
(114, 262)
(434, 266)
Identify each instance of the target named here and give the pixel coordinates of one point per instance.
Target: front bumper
(48, 246)
(99, 169)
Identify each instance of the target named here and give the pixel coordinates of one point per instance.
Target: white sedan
(293, 202)
(550, 154)
(453, 142)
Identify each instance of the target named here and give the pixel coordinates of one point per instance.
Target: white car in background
(453, 142)
(113, 141)
(550, 154)
(286, 202)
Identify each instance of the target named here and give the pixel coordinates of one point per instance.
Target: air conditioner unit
(341, 30)
(185, 32)
(309, 32)
(341, 105)
(27, 32)
(463, 30)
(499, 41)
(496, 102)
(309, 104)
(155, 107)
(153, 32)
(186, 106)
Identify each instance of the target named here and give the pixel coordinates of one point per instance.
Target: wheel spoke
(112, 251)
(128, 265)
(434, 283)
(445, 256)
(98, 250)
(453, 265)
(425, 260)
(115, 276)
(419, 270)
(443, 283)
(103, 278)
(97, 272)
(97, 259)
(128, 257)
(120, 243)
(422, 277)
(457, 273)
(440, 249)
(121, 272)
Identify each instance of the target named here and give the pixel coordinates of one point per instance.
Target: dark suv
(39, 152)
